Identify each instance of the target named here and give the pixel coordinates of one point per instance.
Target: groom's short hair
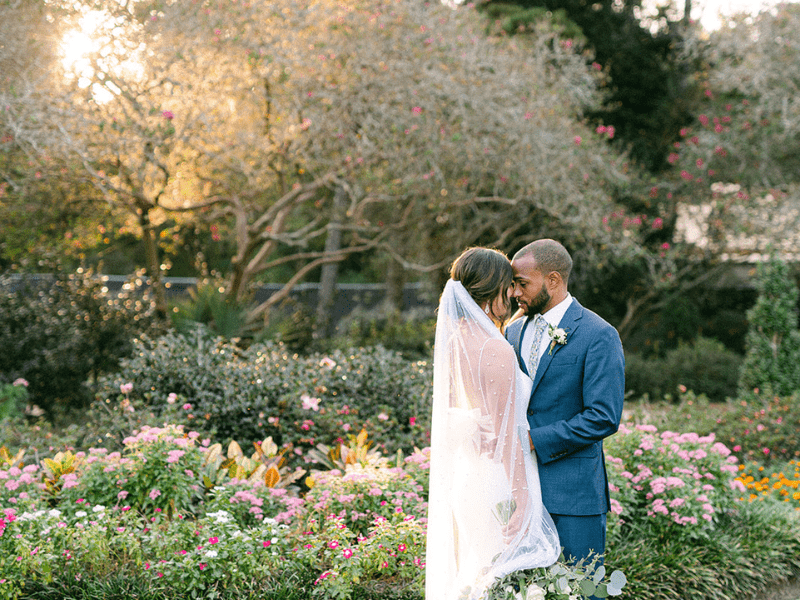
(550, 256)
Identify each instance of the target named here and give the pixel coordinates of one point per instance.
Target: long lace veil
(485, 512)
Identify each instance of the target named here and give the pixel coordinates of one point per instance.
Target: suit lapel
(517, 341)
(569, 322)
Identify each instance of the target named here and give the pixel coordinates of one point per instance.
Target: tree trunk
(395, 282)
(330, 271)
(151, 260)
(687, 11)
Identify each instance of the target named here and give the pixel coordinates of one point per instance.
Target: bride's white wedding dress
(485, 512)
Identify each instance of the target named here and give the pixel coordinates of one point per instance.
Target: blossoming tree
(400, 127)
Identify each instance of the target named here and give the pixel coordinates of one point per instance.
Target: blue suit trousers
(581, 535)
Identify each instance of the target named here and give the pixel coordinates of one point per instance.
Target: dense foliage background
(148, 440)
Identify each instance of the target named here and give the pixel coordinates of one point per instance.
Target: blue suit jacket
(576, 401)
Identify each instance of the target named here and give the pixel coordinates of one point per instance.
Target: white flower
(220, 516)
(80, 514)
(557, 335)
(55, 513)
(211, 554)
(534, 593)
(99, 508)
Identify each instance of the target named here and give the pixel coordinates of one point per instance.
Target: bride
(485, 513)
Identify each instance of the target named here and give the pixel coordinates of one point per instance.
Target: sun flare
(95, 46)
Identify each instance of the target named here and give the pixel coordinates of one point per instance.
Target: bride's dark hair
(485, 273)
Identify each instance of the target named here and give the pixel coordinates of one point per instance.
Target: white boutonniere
(557, 336)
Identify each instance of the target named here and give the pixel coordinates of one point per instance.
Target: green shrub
(13, 397)
(772, 355)
(762, 427)
(59, 334)
(677, 528)
(704, 366)
(265, 391)
(754, 547)
(209, 307)
(410, 332)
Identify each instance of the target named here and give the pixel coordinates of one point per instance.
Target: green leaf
(599, 574)
(587, 587)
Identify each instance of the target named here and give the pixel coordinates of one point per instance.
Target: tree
(35, 203)
(649, 80)
(400, 128)
(772, 357)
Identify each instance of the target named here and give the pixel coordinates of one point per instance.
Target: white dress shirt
(553, 317)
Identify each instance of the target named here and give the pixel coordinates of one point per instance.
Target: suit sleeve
(602, 390)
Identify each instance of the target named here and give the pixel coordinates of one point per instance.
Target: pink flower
(401, 547)
(412, 421)
(187, 406)
(310, 403)
(126, 388)
(213, 540)
(154, 494)
(577, 139)
(417, 110)
(175, 455)
(266, 544)
(347, 553)
(168, 115)
(172, 398)
(20, 381)
(333, 544)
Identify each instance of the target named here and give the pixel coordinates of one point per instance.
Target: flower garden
(206, 469)
(169, 510)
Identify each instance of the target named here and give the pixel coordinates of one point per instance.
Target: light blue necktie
(539, 325)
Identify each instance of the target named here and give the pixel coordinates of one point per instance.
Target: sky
(707, 10)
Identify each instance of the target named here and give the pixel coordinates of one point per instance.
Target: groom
(577, 365)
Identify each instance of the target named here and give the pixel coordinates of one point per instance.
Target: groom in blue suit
(578, 370)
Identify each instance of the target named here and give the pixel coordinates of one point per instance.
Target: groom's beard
(538, 303)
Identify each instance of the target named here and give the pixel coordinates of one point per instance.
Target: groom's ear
(554, 280)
